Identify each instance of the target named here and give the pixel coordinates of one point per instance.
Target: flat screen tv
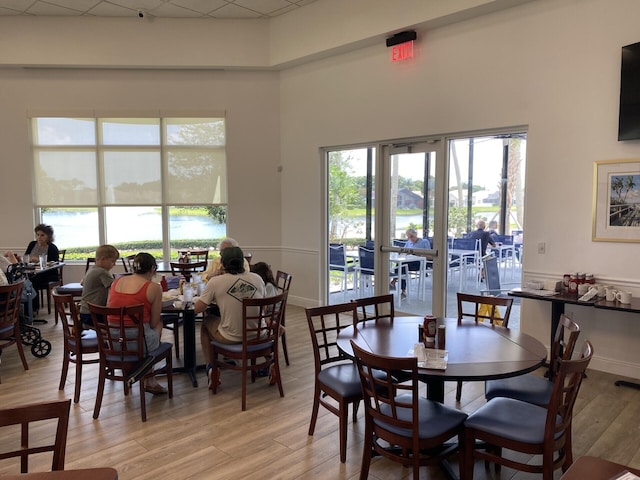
(629, 121)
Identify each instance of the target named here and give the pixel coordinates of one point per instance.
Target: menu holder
(430, 358)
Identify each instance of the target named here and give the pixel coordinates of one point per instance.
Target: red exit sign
(402, 51)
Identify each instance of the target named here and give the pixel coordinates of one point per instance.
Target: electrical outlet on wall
(542, 248)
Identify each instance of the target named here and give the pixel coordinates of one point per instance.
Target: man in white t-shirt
(227, 291)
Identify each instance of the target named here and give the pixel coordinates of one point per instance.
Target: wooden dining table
(593, 468)
(475, 352)
(83, 474)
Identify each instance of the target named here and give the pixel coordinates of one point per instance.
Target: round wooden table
(475, 352)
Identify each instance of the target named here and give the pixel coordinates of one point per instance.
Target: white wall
(552, 65)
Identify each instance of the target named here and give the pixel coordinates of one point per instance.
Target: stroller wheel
(29, 336)
(41, 348)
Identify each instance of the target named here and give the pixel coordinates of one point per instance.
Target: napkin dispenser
(553, 285)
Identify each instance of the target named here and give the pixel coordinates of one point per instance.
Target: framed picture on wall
(616, 201)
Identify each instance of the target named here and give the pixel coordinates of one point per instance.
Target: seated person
(7, 259)
(97, 280)
(227, 290)
(264, 270)
(139, 289)
(485, 237)
(413, 241)
(43, 245)
(493, 230)
(215, 265)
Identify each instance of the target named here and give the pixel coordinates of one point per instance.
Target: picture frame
(616, 201)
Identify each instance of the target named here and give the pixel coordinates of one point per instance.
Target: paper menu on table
(431, 358)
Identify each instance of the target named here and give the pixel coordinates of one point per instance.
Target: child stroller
(29, 334)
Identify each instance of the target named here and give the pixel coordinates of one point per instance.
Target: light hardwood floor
(197, 435)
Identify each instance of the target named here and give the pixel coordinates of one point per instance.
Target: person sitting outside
(485, 237)
(413, 241)
(97, 281)
(493, 230)
(215, 265)
(139, 289)
(227, 290)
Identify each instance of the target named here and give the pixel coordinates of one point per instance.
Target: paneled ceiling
(229, 9)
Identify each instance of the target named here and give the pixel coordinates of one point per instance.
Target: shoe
(272, 375)
(403, 295)
(263, 372)
(210, 379)
(392, 286)
(155, 389)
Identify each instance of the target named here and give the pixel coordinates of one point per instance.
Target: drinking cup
(623, 297)
(187, 293)
(602, 290)
(611, 294)
(43, 260)
(583, 288)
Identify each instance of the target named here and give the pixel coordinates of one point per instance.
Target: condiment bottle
(588, 278)
(442, 337)
(573, 283)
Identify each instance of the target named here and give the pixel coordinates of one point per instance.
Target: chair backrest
(504, 239)
(566, 386)
(365, 257)
(492, 274)
(10, 299)
(481, 308)
(120, 333)
(391, 405)
(26, 416)
(370, 244)
(61, 254)
(374, 308)
(68, 315)
(283, 280)
(324, 325)
(90, 261)
(564, 342)
(186, 269)
(337, 256)
(397, 242)
(464, 244)
(262, 320)
(196, 255)
(127, 262)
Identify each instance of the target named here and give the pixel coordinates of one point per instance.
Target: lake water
(356, 225)
(80, 229)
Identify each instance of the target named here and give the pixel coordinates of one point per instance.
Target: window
(153, 184)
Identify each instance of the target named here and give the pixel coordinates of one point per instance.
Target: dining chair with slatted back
(376, 308)
(482, 308)
(508, 424)
(186, 269)
(127, 263)
(261, 324)
(75, 288)
(33, 417)
(283, 282)
(77, 343)
(397, 415)
(10, 297)
(123, 356)
(335, 374)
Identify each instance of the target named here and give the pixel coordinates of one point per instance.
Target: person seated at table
(139, 289)
(7, 259)
(98, 280)
(264, 270)
(215, 265)
(43, 245)
(493, 230)
(227, 290)
(413, 241)
(484, 236)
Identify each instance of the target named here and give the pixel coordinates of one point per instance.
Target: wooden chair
(123, 357)
(27, 416)
(76, 345)
(187, 269)
(335, 374)
(54, 284)
(196, 255)
(261, 322)
(481, 308)
(10, 297)
(506, 423)
(75, 288)
(127, 263)
(395, 414)
(374, 308)
(283, 282)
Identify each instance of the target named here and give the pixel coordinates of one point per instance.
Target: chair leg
(169, 364)
(244, 384)
(284, 348)
(314, 411)
(176, 339)
(366, 453)
(19, 345)
(99, 393)
(343, 409)
(459, 391)
(65, 369)
(143, 403)
(76, 393)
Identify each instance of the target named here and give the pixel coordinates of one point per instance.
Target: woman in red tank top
(139, 289)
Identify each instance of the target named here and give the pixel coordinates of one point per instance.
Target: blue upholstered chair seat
(343, 379)
(434, 417)
(512, 419)
(528, 388)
